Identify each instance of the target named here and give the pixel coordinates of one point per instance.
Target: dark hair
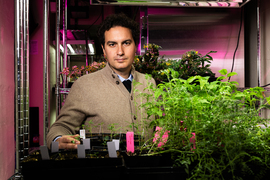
(118, 20)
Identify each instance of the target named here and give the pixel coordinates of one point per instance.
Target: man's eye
(127, 43)
(112, 44)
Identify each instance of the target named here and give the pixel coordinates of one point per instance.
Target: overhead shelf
(174, 3)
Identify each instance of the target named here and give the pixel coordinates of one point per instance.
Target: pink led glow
(70, 36)
(165, 11)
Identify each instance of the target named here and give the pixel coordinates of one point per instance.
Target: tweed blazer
(100, 97)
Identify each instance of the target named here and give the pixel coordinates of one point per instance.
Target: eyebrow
(109, 42)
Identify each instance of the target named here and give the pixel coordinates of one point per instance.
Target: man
(101, 97)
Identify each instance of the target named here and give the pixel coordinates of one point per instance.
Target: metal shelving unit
(21, 55)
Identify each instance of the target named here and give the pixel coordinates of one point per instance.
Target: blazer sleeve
(71, 114)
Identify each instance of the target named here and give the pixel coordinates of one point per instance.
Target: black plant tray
(75, 168)
(152, 167)
(147, 161)
(160, 173)
(124, 167)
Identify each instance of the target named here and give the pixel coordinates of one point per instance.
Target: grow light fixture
(178, 3)
(78, 47)
(91, 48)
(77, 43)
(70, 48)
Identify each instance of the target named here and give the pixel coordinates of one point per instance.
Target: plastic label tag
(130, 141)
(116, 142)
(82, 133)
(81, 151)
(86, 143)
(55, 147)
(44, 153)
(111, 149)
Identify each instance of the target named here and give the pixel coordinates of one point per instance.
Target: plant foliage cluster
(213, 129)
(192, 63)
(77, 72)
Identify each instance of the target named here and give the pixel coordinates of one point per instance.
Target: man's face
(119, 49)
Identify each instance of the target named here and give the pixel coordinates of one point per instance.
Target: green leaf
(234, 82)
(231, 74)
(223, 71)
(191, 79)
(203, 101)
(221, 78)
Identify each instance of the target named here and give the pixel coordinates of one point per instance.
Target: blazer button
(117, 82)
(113, 76)
(131, 98)
(135, 118)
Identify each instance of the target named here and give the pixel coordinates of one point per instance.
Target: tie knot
(127, 84)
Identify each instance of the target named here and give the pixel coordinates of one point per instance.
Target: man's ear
(104, 52)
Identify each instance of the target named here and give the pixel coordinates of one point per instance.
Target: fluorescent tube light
(71, 49)
(91, 47)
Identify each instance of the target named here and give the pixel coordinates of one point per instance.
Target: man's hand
(68, 141)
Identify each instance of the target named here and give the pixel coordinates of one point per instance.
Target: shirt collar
(123, 79)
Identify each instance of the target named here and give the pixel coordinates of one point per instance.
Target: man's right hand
(68, 141)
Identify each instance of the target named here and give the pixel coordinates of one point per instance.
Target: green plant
(113, 129)
(76, 72)
(213, 127)
(89, 126)
(192, 63)
(100, 127)
(150, 62)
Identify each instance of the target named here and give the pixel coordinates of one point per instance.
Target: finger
(68, 142)
(69, 139)
(68, 145)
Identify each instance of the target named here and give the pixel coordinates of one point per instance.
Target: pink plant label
(164, 137)
(130, 141)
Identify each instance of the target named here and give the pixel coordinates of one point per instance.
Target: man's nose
(120, 51)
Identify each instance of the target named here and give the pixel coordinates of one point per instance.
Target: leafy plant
(150, 62)
(113, 129)
(192, 63)
(213, 128)
(76, 72)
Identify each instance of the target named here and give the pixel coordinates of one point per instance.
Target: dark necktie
(127, 84)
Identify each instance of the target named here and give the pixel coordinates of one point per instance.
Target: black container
(156, 167)
(87, 168)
